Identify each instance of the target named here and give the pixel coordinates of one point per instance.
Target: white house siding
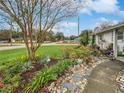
(107, 38)
(97, 39)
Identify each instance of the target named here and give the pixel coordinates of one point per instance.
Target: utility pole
(11, 28)
(78, 25)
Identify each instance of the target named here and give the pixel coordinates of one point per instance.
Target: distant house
(111, 35)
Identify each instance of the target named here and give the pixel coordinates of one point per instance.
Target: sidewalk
(103, 78)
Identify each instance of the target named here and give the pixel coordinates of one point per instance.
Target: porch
(118, 43)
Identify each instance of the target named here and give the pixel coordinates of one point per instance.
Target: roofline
(110, 28)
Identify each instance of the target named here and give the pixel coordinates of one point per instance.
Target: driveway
(102, 79)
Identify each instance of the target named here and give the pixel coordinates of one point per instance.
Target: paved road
(103, 77)
(23, 46)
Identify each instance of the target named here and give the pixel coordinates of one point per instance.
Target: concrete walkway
(102, 79)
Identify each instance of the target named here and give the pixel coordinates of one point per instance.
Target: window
(100, 37)
(120, 35)
(112, 35)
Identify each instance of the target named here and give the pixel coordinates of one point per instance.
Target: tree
(103, 25)
(72, 37)
(36, 17)
(59, 36)
(50, 36)
(5, 34)
(84, 37)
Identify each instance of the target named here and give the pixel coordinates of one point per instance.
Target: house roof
(110, 28)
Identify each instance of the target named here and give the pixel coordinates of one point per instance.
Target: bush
(65, 53)
(78, 52)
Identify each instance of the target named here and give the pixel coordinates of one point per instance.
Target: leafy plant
(78, 52)
(44, 60)
(27, 66)
(10, 84)
(46, 75)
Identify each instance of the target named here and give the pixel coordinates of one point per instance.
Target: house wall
(104, 39)
(108, 38)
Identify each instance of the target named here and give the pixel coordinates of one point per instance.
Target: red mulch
(28, 75)
(43, 90)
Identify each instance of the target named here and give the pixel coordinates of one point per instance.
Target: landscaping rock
(120, 81)
(69, 86)
(79, 61)
(75, 79)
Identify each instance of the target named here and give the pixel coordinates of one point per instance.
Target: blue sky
(96, 12)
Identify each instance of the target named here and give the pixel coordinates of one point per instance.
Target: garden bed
(28, 75)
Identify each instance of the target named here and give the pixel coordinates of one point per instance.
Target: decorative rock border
(75, 79)
(120, 81)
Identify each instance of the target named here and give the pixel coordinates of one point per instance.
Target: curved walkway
(102, 79)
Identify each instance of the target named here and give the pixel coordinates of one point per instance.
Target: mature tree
(36, 17)
(50, 36)
(59, 36)
(5, 35)
(72, 37)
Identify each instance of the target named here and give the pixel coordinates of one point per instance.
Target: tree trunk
(33, 56)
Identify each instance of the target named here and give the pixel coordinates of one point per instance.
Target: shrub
(65, 53)
(78, 52)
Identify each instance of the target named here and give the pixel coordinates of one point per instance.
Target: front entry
(120, 43)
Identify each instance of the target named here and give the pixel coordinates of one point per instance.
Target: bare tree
(105, 24)
(36, 17)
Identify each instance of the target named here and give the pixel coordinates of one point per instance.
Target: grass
(9, 55)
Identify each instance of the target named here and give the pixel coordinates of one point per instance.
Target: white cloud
(85, 11)
(68, 28)
(103, 6)
(103, 19)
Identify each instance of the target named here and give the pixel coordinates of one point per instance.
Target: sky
(95, 12)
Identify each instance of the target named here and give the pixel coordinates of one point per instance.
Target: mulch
(28, 75)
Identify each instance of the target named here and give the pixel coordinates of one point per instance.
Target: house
(111, 35)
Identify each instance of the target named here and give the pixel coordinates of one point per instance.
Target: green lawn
(8, 55)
